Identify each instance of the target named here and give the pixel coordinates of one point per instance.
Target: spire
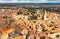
(45, 15)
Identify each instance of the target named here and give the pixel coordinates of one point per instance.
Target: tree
(32, 10)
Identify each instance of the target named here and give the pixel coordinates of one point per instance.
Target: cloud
(43, 0)
(34, 1)
(53, 1)
(23, 1)
(7, 1)
(30, 1)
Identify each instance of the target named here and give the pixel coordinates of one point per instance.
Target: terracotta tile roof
(6, 30)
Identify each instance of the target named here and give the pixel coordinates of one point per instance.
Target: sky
(29, 1)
